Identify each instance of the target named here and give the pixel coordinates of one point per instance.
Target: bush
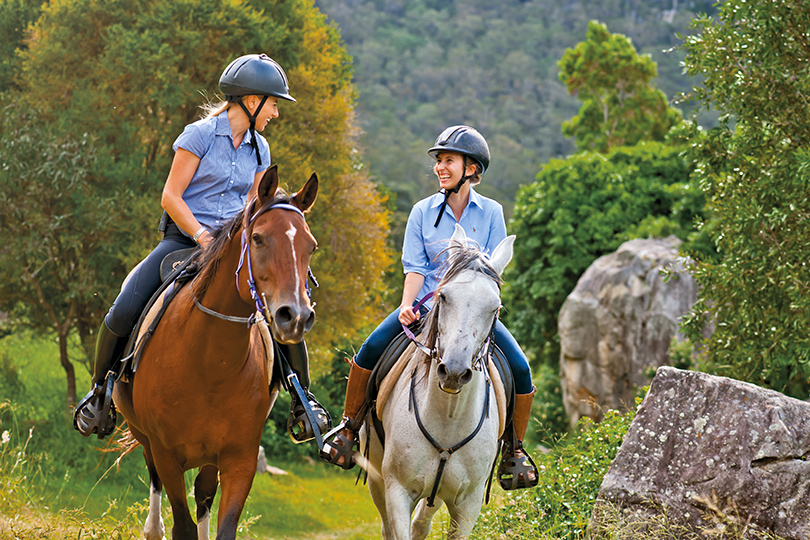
(570, 476)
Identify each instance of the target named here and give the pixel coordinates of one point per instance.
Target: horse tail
(124, 444)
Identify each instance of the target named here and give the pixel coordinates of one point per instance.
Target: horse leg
(423, 519)
(464, 514)
(376, 488)
(171, 473)
(399, 506)
(153, 528)
(205, 488)
(236, 478)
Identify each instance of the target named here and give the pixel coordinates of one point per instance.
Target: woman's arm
(184, 165)
(413, 283)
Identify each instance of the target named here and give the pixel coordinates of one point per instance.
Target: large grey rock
(617, 325)
(705, 450)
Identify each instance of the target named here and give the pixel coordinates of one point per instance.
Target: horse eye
(257, 239)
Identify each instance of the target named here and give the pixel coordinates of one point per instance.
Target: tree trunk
(69, 372)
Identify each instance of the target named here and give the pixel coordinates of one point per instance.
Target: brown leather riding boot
(340, 446)
(517, 470)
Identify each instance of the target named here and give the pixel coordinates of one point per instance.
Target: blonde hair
(214, 108)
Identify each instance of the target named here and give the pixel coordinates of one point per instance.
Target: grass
(55, 484)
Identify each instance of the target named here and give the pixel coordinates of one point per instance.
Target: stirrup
(516, 469)
(336, 441)
(95, 413)
(298, 424)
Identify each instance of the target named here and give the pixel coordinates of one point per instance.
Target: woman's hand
(407, 315)
(204, 239)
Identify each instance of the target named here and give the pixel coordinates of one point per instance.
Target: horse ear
(503, 254)
(306, 196)
(268, 184)
(459, 235)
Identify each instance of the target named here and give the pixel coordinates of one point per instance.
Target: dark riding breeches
(143, 282)
(378, 340)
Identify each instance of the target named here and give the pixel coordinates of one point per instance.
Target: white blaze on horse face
(291, 235)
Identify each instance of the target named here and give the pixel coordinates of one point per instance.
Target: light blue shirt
(220, 185)
(482, 220)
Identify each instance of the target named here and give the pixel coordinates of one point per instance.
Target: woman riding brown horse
(199, 397)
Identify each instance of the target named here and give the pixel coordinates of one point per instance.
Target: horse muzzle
(453, 376)
(291, 323)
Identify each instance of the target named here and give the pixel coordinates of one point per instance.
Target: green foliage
(423, 65)
(755, 171)
(570, 476)
(620, 104)
(59, 236)
(550, 421)
(584, 207)
(110, 85)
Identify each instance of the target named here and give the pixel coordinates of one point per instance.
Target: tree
(620, 105)
(579, 209)
(755, 170)
(58, 235)
(129, 74)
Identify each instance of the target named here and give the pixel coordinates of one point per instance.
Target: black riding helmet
(464, 140)
(467, 142)
(254, 74)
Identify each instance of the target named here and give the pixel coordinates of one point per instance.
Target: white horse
(444, 388)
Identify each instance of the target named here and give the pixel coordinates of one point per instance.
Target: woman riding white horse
(462, 155)
(441, 420)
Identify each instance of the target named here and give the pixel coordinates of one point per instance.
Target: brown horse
(200, 398)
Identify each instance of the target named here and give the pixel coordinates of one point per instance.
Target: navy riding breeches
(378, 340)
(143, 282)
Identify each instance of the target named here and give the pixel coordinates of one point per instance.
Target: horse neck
(222, 295)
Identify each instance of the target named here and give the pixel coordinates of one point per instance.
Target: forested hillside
(421, 65)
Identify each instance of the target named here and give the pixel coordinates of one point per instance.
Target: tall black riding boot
(95, 413)
(299, 426)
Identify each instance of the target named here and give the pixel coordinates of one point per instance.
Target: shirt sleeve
(414, 257)
(194, 140)
(497, 228)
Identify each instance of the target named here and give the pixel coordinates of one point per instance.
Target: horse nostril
(466, 376)
(310, 321)
(283, 316)
(441, 371)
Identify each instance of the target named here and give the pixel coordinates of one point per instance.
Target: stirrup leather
(517, 469)
(299, 426)
(338, 445)
(96, 413)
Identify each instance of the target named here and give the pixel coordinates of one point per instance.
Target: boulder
(711, 453)
(616, 326)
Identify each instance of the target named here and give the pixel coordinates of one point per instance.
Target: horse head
(281, 246)
(466, 306)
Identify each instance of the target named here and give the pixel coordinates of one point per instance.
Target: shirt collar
(224, 128)
(438, 199)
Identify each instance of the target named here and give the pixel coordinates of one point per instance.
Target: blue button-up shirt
(220, 185)
(482, 220)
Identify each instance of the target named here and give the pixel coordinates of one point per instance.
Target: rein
(244, 257)
(434, 354)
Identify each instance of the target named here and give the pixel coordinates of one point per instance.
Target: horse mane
(460, 257)
(212, 255)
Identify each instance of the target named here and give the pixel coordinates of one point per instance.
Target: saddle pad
(409, 360)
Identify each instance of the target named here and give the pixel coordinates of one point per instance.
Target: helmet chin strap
(448, 192)
(252, 117)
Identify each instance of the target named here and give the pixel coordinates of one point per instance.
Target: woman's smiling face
(449, 168)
